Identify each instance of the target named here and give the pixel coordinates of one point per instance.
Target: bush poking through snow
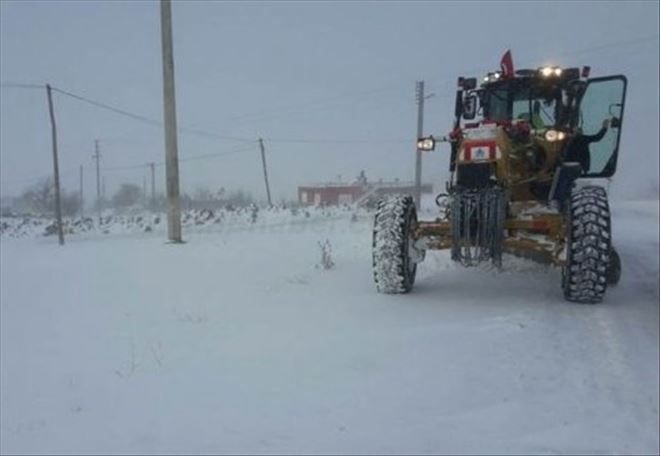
(326, 256)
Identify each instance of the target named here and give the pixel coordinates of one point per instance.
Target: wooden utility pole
(169, 108)
(97, 157)
(56, 167)
(263, 162)
(82, 203)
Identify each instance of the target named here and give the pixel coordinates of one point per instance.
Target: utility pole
(56, 167)
(82, 203)
(169, 108)
(263, 161)
(97, 157)
(144, 189)
(419, 92)
(152, 165)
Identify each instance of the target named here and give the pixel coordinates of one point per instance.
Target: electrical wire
(211, 134)
(612, 45)
(215, 155)
(99, 104)
(183, 159)
(145, 119)
(43, 177)
(18, 85)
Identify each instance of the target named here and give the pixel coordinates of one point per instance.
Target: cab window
(498, 105)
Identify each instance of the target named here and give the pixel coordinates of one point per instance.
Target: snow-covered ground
(236, 342)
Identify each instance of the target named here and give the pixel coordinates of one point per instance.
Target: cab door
(603, 98)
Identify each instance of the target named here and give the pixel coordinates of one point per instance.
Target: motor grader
(527, 150)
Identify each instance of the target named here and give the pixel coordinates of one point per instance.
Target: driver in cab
(578, 148)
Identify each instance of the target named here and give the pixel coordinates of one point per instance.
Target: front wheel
(588, 246)
(395, 256)
(614, 268)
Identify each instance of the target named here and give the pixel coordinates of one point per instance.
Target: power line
(198, 132)
(185, 159)
(108, 107)
(44, 177)
(153, 122)
(614, 44)
(18, 85)
(208, 134)
(216, 155)
(145, 119)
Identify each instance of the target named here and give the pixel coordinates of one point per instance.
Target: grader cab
(522, 144)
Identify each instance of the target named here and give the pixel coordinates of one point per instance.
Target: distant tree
(239, 198)
(40, 198)
(127, 195)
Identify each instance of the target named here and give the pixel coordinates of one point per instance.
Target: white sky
(292, 70)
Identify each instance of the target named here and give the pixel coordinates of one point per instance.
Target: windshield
(522, 104)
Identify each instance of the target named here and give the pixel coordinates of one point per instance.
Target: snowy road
(236, 343)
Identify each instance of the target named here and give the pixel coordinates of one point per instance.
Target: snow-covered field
(237, 343)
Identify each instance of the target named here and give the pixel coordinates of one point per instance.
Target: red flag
(506, 64)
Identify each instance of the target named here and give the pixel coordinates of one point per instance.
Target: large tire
(588, 246)
(614, 269)
(393, 262)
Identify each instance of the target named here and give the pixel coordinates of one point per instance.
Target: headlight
(554, 135)
(550, 71)
(426, 144)
(491, 77)
(546, 71)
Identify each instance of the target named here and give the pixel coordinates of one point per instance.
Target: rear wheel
(394, 254)
(588, 246)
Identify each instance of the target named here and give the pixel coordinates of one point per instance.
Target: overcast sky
(340, 75)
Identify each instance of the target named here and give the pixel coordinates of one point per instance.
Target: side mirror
(470, 107)
(469, 84)
(615, 122)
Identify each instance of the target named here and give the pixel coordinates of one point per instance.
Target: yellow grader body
(532, 230)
